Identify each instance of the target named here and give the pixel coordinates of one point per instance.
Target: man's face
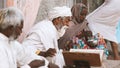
(16, 32)
(83, 14)
(66, 21)
(61, 21)
(61, 24)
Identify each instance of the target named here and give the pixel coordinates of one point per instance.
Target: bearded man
(12, 53)
(45, 34)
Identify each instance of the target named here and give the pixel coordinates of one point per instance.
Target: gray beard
(13, 37)
(61, 31)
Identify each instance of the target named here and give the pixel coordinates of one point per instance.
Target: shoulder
(15, 44)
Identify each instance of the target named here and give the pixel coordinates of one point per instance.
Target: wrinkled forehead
(66, 18)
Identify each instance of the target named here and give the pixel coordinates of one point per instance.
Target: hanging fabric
(104, 19)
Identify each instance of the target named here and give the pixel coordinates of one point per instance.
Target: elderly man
(12, 52)
(44, 35)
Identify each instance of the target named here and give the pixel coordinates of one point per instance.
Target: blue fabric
(118, 32)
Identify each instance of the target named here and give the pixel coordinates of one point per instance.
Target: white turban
(59, 11)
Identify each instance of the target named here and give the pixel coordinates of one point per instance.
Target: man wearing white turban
(44, 35)
(104, 20)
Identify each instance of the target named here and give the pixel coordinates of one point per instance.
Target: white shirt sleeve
(33, 41)
(25, 66)
(4, 63)
(25, 55)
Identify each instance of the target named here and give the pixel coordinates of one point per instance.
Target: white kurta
(13, 53)
(42, 37)
(104, 19)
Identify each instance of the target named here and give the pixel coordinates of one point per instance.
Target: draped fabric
(104, 20)
(30, 9)
(13, 53)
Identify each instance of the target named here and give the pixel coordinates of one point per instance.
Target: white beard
(61, 31)
(12, 37)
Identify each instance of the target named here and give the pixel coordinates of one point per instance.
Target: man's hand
(37, 63)
(50, 52)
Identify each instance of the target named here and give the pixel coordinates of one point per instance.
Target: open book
(92, 56)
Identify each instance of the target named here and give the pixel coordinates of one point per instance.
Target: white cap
(59, 11)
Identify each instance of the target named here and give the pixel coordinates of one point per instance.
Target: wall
(2, 3)
(93, 4)
(46, 5)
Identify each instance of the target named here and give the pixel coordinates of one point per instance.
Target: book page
(100, 52)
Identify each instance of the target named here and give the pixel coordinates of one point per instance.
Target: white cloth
(61, 32)
(42, 37)
(25, 66)
(13, 53)
(59, 11)
(104, 19)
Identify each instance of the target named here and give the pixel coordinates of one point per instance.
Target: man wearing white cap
(44, 35)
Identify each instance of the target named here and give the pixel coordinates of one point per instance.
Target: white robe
(104, 20)
(13, 53)
(42, 37)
